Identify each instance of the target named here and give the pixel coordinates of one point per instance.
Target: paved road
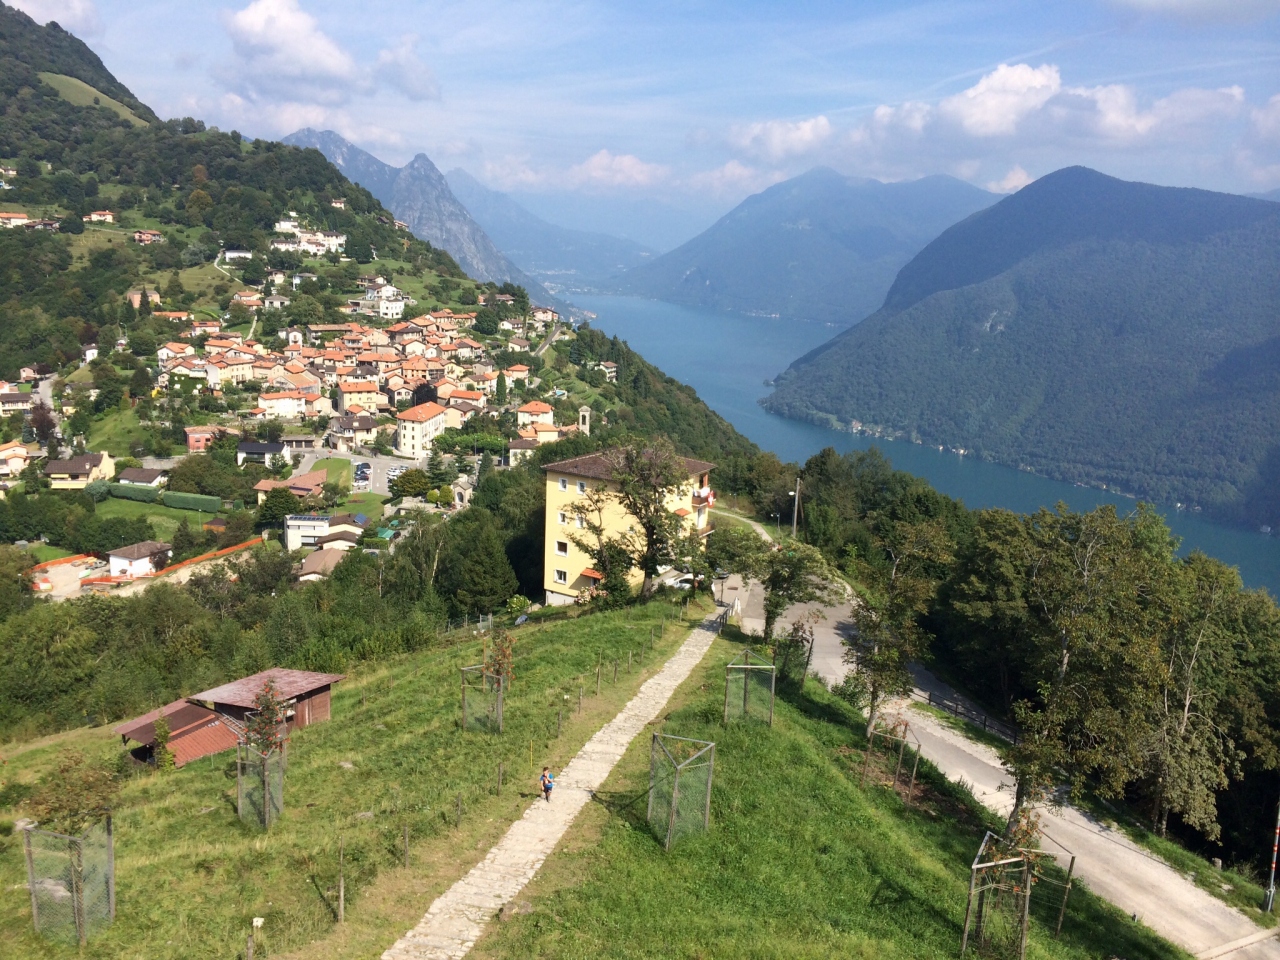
(1112, 865)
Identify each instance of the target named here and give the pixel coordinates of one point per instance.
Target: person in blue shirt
(547, 780)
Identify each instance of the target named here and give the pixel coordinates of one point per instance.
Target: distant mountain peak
(418, 194)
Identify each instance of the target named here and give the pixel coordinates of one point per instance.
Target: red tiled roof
(421, 413)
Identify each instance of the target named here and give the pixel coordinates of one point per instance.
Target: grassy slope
(163, 519)
(115, 432)
(190, 876)
(800, 861)
(81, 94)
(339, 469)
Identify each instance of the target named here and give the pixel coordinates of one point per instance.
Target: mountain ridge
(555, 254)
(1086, 328)
(819, 246)
(419, 194)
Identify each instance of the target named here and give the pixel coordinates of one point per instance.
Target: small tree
(794, 573)
(98, 490)
(646, 476)
(500, 658)
(265, 728)
(164, 756)
(75, 796)
(500, 391)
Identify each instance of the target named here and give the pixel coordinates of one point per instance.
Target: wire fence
(997, 917)
(482, 695)
(260, 784)
(896, 738)
(749, 688)
(680, 775)
(958, 708)
(71, 880)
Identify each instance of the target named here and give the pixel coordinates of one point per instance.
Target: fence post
(342, 885)
(579, 698)
(711, 771)
(726, 694)
(77, 889)
(866, 763)
(968, 910)
(675, 799)
(1026, 908)
(559, 721)
(458, 822)
(615, 671)
(499, 778)
(31, 878)
(462, 680)
(1062, 911)
(248, 947)
(406, 846)
(597, 679)
(630, 654)
(111, 868)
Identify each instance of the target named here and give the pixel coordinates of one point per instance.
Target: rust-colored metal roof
(203, 741)
(180, 714)
(289, 684)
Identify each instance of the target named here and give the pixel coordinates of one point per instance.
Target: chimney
(584, 420)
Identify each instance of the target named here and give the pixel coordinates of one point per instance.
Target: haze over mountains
(560, 257)
(821, 246)
(1088, 328)
(418, 194)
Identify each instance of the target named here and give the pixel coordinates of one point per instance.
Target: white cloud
(401, 67)
(995, 104)
(1011, 182)
(76, 16)
(512, 172)
(1112, 111)
(777, 140)
(282, 55)
(734, 178)
(617, 170)
(1266, 119)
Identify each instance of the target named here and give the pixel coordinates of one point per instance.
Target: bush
(192, 501)
(98, 490)
(128, 491)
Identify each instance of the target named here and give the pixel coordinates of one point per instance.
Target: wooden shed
(307, 695)
(194, 732)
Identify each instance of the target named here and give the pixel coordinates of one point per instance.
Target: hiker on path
(547, 780)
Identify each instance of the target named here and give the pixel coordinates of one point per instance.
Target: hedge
(129, 491)
(192, 501)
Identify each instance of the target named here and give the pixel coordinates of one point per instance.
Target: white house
(139, 559)
(230, 255)
(417, 427)
(303, 530)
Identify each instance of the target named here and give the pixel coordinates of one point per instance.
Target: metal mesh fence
(997, 918)
(749, 688)
(71, 881)
(680, 774)
(482, 695)
(260, 785)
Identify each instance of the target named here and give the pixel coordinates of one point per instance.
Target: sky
(651, 120)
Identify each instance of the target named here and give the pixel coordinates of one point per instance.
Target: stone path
(452, 924)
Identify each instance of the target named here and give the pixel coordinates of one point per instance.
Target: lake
(727, 359)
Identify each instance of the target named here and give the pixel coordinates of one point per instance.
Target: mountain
(1269, 195)
(1086, 328)
(821, 246)
(418, 194)
(558, 256)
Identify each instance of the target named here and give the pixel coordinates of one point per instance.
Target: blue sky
(598, 113)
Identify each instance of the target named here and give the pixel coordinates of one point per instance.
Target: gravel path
(456, 920)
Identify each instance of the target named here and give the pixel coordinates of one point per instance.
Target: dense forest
(1087, 329)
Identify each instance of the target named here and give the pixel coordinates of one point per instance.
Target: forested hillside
(1085, 328)
(821, 246)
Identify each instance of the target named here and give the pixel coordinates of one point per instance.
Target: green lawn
(44, 552)
(115, 432)
(191, 876)
(338, 468)
(367, 503)
(163, 519)
(801, 861)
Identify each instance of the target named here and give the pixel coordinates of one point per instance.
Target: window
(582, 486)
(562, 548)
(564, 484)
(562, 576)
(564, 518)
(582, 522)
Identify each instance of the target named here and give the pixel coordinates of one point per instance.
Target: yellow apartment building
(567, 569)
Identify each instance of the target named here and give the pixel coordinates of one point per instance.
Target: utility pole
(795, 508)
(1270, 898)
